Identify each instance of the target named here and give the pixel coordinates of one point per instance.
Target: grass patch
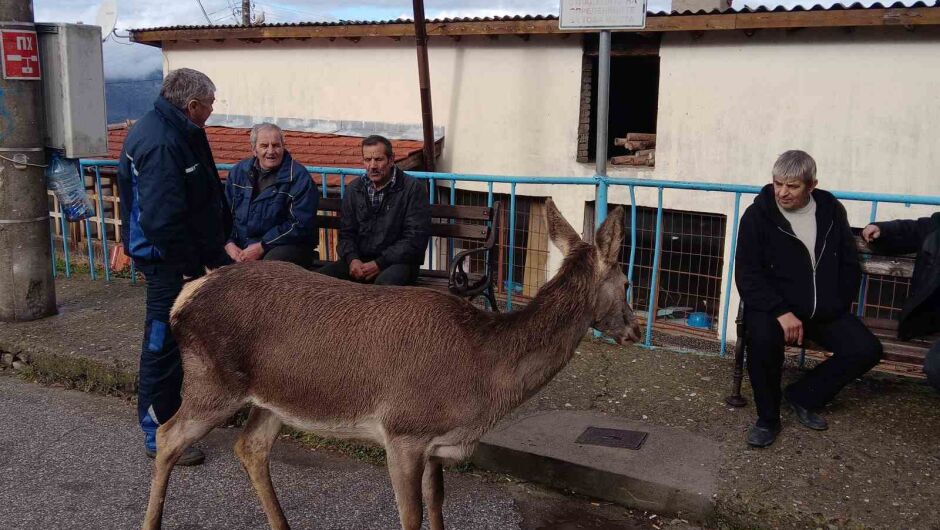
(80, 374)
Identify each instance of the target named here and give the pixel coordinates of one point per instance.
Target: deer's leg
(253, 449)
(173, 437)
(433, 489)
(406, 467)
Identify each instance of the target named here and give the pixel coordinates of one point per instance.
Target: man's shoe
(192, 456)
(807, 417)
(762, 436)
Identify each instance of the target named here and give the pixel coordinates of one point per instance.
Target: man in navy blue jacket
(175, 223)
(274, 203)
(797, 271)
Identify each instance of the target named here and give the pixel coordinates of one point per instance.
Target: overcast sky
(124, 60)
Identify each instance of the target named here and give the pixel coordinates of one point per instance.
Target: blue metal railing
(601, 185)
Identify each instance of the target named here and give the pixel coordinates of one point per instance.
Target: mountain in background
(129, 99)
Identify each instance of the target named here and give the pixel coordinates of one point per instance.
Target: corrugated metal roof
(745, 9)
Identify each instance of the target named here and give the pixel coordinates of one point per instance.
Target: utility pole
(246, 12)
(27, 290)
(424, 81)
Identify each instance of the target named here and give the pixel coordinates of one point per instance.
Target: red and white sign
(20, 54)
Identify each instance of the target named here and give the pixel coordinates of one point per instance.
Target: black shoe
(191, 456)
(762, 436)
(807, 417)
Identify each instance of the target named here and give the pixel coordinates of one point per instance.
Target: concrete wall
(862, 102)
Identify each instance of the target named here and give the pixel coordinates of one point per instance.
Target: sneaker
(762, 436)
(807, 417)
(192, 456)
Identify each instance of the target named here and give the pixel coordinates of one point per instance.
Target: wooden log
(646, 152)
(620, 142)
(639, 145)
(886, 266)
(641, 137)
(632, 160)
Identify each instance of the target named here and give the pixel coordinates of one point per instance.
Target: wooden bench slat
(441, 211)
(458, 230)
(886, 266)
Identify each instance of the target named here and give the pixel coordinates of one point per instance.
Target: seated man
(921, 313)
(797, 272)
(386, 222)
(274, 203)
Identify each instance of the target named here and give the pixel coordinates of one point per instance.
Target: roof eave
(870, 17)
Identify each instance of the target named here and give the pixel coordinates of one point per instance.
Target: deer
(420, 372)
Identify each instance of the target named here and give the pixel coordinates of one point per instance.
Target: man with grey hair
(274, 203)
(175, 222)
(797, 271)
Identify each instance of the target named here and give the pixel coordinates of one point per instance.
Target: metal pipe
(432, 186)
(651, 311)
(603, 110)
(730, 278)
(64, 225)
(512, 244)
(102, 228)
(91, 251)
(860, 310)
(424, 81)
(632, 243)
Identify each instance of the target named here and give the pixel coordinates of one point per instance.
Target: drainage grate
(620, 438)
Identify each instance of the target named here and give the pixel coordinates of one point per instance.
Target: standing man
(274, 203)
(174, 224)
(921, 312)
(797, 272)
(385, 224)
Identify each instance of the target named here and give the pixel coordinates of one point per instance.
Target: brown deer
(421, 372)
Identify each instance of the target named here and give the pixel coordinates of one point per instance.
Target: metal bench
(477, 224)
(904, 357)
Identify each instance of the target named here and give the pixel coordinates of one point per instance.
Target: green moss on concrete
(81, 374)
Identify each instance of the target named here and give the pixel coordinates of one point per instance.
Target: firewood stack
(642, 147)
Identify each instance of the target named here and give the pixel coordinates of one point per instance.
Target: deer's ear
(563, 236)
(609, 237)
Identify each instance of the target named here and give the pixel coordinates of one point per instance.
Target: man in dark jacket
(921, 312)
(274, 203)
(797, 272)
(386, 222)
(174, 224)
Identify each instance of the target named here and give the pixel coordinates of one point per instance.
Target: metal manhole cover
(620, 438)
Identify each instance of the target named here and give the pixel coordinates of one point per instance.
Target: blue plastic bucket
(699, 320)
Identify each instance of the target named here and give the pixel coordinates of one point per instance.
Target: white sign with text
(602, 14)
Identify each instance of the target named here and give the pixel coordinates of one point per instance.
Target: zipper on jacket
(815, 261)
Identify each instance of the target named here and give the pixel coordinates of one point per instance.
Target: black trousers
(932, 365)
(855, 350)
(161, 370)
(397, 274)
(298, 254)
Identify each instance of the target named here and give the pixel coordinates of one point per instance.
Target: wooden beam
(907, 17)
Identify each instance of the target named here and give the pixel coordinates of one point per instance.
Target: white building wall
(863, 103)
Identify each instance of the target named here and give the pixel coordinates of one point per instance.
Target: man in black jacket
(175, 223)
(385, 223)
(797, 272)
(921, 312)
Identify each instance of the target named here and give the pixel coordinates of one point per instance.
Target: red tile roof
(229, 145)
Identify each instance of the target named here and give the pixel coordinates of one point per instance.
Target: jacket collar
(285, 172)
(397, 175)
(176, 118)
(825, 208)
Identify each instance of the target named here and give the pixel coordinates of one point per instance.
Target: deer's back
(316, 347)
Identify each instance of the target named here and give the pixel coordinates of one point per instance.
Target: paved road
(70, 460)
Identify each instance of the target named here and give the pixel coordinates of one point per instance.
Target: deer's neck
(539, 341)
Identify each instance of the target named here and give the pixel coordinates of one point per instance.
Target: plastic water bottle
(69, 188)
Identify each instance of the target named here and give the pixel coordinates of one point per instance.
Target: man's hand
(233, 252)
(355, 269)
(792, 329)
(252, 252)
(871, 233)
(369, 271)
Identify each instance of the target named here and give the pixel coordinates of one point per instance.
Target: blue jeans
(161, 370)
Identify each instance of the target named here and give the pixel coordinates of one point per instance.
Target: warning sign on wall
(20, 54)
